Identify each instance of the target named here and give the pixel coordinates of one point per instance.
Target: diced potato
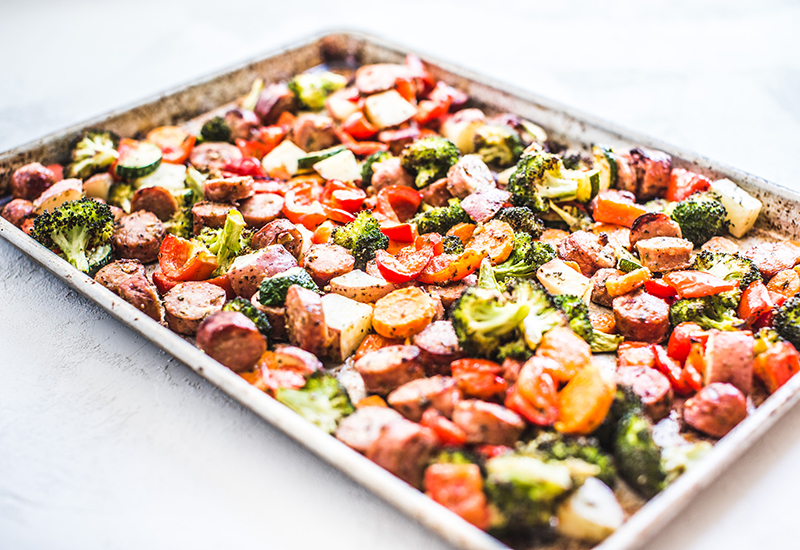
(171, 177)
(98, 186)
(361, 287)
(388, 109)
(460, 128)
(743, 208)
(339, 106)
(591, 513)
(348, 322)
(56, 195)
(559, 278)
(282, 160)
(341, 166)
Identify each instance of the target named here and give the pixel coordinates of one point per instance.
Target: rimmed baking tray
(179, 105)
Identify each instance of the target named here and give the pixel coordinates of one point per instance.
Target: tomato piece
(175, 143)
(459, 488)
(446, 268)
(358, 126)
(636, 354)
(667, 366)
(301, 207)
(680, 341)
(777, 365)
(163, 283)
(406, 266)
(185, 260)
(697, 284)
(448, 432)
(402, 232)
(479, 378)
(756, 301)
(398, 202)
(322, 234)
(659, 288)
(683, 183)
(245, 166)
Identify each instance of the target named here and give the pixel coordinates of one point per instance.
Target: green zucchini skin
(142, 161)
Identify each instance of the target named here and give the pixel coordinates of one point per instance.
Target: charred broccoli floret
(765, 339)
(272, 291)
(311, 89)
(576, 218)
(121, 194)
(542, 314)
(181, 223)
(514, 350)
(322, 400)
(227, 242)
(712, 312)
(554, 446)
(498, 145)
(452, 245)
(246, 308)
(362, 237)
(428, 159)
(215, 129)
(538, 177)
(701, 217)
(730, 267)
(81, 230)
(484, 320)
(454, 456)
(442, 218)
(577, 161)
(366, 169)
(526, 257)
(786, 321)
(637, 455)
(521, 218)
(603, 342)
(95, 151)
(577, 312)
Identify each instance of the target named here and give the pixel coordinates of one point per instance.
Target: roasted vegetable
(521, 218)
(121, 194)
(311, 89)
(323, 401)
(362, 237)
(538, 177)
(366, 168)
(246, 308)
(701, 217)
(429, 159)
(441, 219)
(604, 343)
(730, 267)
(227, 242)
(637, 455)
(215, 129)
(578, 314)
(542, 314)
(485, 319)
(717, 312)
(786, 321)
(451, 244)
(181, 224)
(576, 218)
(555, 446)
(525, 259)
(497, 145)
(272, 291)
(94, 152)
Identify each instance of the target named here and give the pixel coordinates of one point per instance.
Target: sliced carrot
(446, 268)
(374, 342)
(603, 321)
(403, 312)
(617, 234)
(786, 282)
(463, 231)
(495, 238)
(372, 401)
(617, 285)
(459, 488)
(567, 349)
(585, 401)
(612, 210)
(636, 354)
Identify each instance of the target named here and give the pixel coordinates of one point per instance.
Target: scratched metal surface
(576, 128)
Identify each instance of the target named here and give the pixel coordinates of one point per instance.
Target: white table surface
(106, 442)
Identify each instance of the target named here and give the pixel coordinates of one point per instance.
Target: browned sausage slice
(482, 205)
(232, 339)
(591, 252)
(371, 79)
(280, 231)
(390, 172)
(305, 320)
(662, 254)
(157, 200)
(247, 272)
(138, 236)
(209, 214)
(654, 224)
(436, 193)
(243, 123)
(261, 209)
(360, 429)
(641, 317)
(413, 398)
(652, 387)
(627, 179)
(488, 423)
(404, 448)
(296, 359)
(228, 189)
(716, 409)
(721, 244)
(187, 304)
(438, 344)
(653, 170)
(730, 357)
(31, 180)
(17, 211)
(448, 294)
(599, 292)
(389, 368)
(770, 258)
(313, 132)
(468, 175)
(128, 280)
(213, 156)
(326, 261)
(273, 101)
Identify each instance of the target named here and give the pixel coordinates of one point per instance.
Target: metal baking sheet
(180, 105)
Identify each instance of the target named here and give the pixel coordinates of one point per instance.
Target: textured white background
(106, 442)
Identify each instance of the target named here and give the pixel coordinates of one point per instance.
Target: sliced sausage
(721, 244)
(661, 254)
(468, 175)
(448, 294)
(313, 132)
(404, 448)
(652, 387)
(488, 423)
(436, 193)
(413, 398)
(438, 345)
(213, 156)
(276, 317)
(228, 189)
(591, 252)
(627, 179)
(729, 357)
(399, 138)
(371, 79)
(296, 359)
(770, 258)
(273, 101)
(305, 320)
(157, 200)
(653, 170)
(360, 429)
(209, 214)
(128, 280)
(17, 211)
(247, 272)
(282, 232)
(31, 180)
(641, 317)
(654, 224)
(243, 123)
(187, 304)
(326, 261)
(599, 292)
(260, 209)
(716, 409)
(389, 368)
(390, 172)
(482, 205)
(138, 236)
(232, 339)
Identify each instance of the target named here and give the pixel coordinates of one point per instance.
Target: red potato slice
(247, 272)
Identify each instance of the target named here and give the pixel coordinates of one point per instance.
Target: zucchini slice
(141, 161)
(311, 159)
(588, 183)
(606, 161)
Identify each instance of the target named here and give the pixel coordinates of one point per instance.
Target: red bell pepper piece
(681, 339)
(777, 365)
(402, 232)
(448, 432)
(683, 183)
(407, 88)
(245, 166)
(185, 260)
(225, 284)
(636, 354)
(322, 234)
(300, 206)
(755, 301)
(437, 104)
(667, 366)
(543, 411)
(406, 266)
(163, 283)
(359, 127)
(659, 288)
(697, 284)
(612, 209)
(398, 202)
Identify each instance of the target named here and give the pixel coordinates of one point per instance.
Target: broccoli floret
(454, 456)
(730, 267)
(577, 161)
(441, 219)
(250, 311)
(701, 217)
(484, 320)
(215, 129)
(181, 224)
(603, 342)
(523, 490)
(452, 244)
(717, 312)
(498, 145)
(121, 194)
(577, 312)
(765, 339)
(576, 218)
(542, 315)
(366, 169)
(362, 237)
(194, 182)
(95, 151)
(676, 459)
(81, 230)
(521, 218)
(526, 257)
(553, 446)
(514, 350)
(227, 242)
(429, 159)
(625, 402)
(538, 177)
(311, 89)
(637, 455)
(272, 291)
(322, 400)
(786, 321)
